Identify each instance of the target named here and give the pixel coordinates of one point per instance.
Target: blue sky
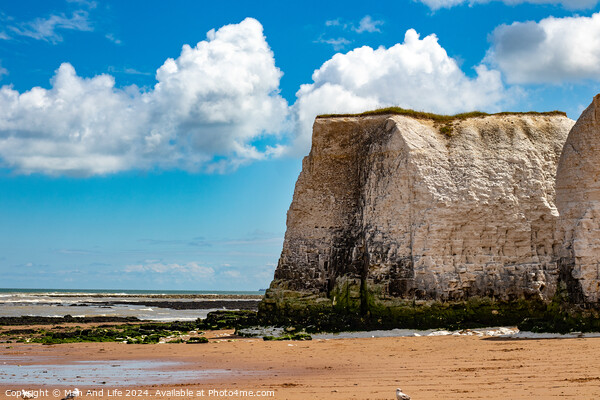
(147, 145)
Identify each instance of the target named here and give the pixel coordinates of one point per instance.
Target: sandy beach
(447, 367)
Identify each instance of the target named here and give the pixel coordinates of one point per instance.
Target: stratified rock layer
(389, 209)
(578, 200)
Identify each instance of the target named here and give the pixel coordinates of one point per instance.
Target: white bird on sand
(401, 396)
(72, 394)
(25, 395)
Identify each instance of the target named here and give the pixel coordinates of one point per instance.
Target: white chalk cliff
(404, 207)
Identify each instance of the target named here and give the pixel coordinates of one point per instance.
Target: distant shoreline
(151, 305)
(155, 296)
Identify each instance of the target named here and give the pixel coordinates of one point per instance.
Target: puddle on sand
(112, 373)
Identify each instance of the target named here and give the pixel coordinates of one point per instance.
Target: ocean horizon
(129, 291)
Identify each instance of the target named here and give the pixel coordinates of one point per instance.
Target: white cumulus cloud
(82, 126)
(553, 50)
(416, 74)
(207, 108)
(568, 4)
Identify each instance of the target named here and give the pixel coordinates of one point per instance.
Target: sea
(153, 305)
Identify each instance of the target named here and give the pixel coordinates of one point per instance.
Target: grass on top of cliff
(436, 117)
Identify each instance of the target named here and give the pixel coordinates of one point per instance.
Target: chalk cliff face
(394, 208)
(578, 201)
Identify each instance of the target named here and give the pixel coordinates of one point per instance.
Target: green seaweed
(197, 339)
(138, 333)
(226, 319)
(295, 336)
(341, 313)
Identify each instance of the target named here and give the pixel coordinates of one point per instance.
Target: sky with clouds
(148, 145)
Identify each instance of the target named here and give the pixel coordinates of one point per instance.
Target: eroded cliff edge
(578, 201)
(391, 210)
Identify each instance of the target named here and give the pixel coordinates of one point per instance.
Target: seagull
(25, 395)
(401, 396)
(72, 394)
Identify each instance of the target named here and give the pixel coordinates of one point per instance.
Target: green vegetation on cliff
(437, 117)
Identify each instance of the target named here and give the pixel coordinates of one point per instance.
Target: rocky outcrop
(390, 209)
(578, 202)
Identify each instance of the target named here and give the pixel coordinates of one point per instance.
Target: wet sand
(447, 367)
